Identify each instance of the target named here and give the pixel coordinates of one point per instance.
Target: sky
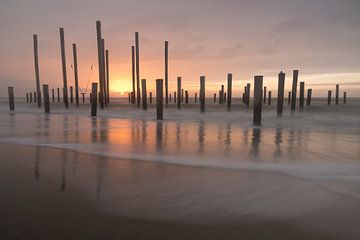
(320, 38)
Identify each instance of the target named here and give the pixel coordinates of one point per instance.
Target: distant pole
(229, 91)
(294, 89)
(71, 95)
(30, 97)
(222, 94)
(186, 97)
(248, 87)
(214, 97)
(11, 99)
(58, 94)
(46, 98)
(94, 99)
(63, 60)
(133, 74)
(170, 97)
(107, 76)
(264, 95)
(76, 75)
(182, 95)
(35, 98)
(195, 97)
(302, 94)
(27, 97)
(344, 99)
(104, 94)
(129, 97)
(179, 92)
(329, 97)
(258, 82)
(308, 99)
(166, 71)
(159, 99)
(289, 98)
(100, 63)
(53, 94)
(137, 68)
(269, 99)
(150, 98)
(224, 97)
(202, 94)
(83, 97)
(280, 98)
(337, 94)
(144, 97)
(174, 97)
(37, 74)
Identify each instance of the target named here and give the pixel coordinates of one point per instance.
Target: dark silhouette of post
(337, 94)
(224, 97)
(302, 94)
(37, 74)
(53, 94)
(280, 98)
(229, 91)
(166, 71)
(175, 97)
(202, 94)
(133, 98)
(93, 99)
(100, 63)
(248, 87)
(30, 97)
(344, 98)
(150, 97)
(186, 97)
(46, 98)
(214, 97)
(195, 97)
(222, 94)
(182, 95)
(107, 76)
(137, 68)
(289, 98)
(258, 84)
(35, 98)
(308, 99)
(144, 97)
(159, 99)
(179, 92)
(244, 95)
(294, 89)
(83, 97)
(104, 94)
(264, 95)
(76, 77)
(27, 97)
(329, 97)
(63, 60)
(170, 97)
(11, 98)
(269, 99)
(58, 94)
(71, 95)
(129, 97)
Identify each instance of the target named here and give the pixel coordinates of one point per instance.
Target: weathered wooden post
(224, 97)
(195, 97)
(11, 98)
(30, 97)
(35, 98)
(182, 95)
(133, 73)
(258, 84)
(107, 76)
(150, 97)
(159, 99)
(202, 94)
(101, 67)
(222, 94)
(63, 61)
(269, 99)
(308, 99)
(144, 97)
(37, 74)
(93, 99)
(344, 98)
(329, 97)
(27, 97)
(179, 92)
(170, 97)
(337, 94)
(248, 87)
(264, 95)
(294, 89)
(46, 98)
(244, 95)
(289, 98)
(302, 94)
(58, 94)
(129, 97)
(76, 77)
(53, 94)
(214, 97)
(280, 98)
(71, 95)
(137, 68)
(186, 97)
(175, 97)
(229, 91)
(83, 97)
(166, 71)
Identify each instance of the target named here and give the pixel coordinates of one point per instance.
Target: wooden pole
(302, 94)
(195, 97)
(202, 94)
(150, 97)
(229, 91)
(170, 97)
(11, 99)
(30, 97)
(83, 97)
(224, 97)
(222, 94)
(35, 98)
(166, 71)
(258, 82)
(294, 89)
(58, 94)
(144, 97)
(104, 91)
(159, 99)
(63, 60)
(269, 100)
(264, 95)
(107, 77)
(186, 97)
(53, 94)
(344, 99)
(133, 73)
(27, 97)
(71, 95)
(214, 97)
(248, 87)
(175, 97)
(179, 92)
(46, 98)
(137, 68)
(329, 97)
(94, 99)
(337, 94)
(182, 95)
(289, 98)
(37, 74)
(308, 99)
(76, 77)
(100, 63)
(280, 98)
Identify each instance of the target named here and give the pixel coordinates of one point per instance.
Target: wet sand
(47, 194)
